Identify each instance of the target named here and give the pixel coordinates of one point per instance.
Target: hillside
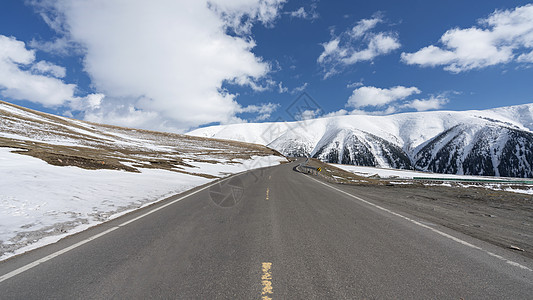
(496, 142)
(59, 176)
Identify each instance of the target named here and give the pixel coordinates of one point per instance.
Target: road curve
(271, 233)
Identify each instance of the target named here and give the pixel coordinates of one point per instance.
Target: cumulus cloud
(308, 114)
(363, 26)
(433, 102)
(373, 96)
(59, 46)
(94, 100)
(502, 37)
(330, 49)
(526, 57)
(355, 84)
(281, 88)
(240, 15)
(44, 67)
(299, 13)
(356, 45)
(387, 111)
(370, 100)
(264, 111)
(340, 112)
(302, 13)
(23, 79)
(127, 115)
(300, 88)
(380, 112)
(163, 63)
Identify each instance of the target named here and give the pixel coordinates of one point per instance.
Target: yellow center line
(268, 190)
(266, 281)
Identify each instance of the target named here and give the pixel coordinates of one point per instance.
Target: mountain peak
(476, 142)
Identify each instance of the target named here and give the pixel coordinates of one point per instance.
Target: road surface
(271, 233)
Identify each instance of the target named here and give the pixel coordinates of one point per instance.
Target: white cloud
(94, 100)
(340, 112)
(239, 15)
(434, 102)
(14, 51)
(355, 84)
(87, 104)
(281, 88)
(264, 110)
(308, 114)
(392, 100)
(299, 89)
(253, 83)
(299, 13)
(498, 39)
(302, 13)
(389, 101)
(330, 48)
(23, 79)
(44, 67)
(59, 46)
(129, 116)
(379, 44)
(163, 63)
(526, 57)
(372, 96)
(387, 111)
(364, 26)
(356, 45)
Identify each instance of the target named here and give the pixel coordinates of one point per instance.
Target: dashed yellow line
(266, 281)
(268, 190)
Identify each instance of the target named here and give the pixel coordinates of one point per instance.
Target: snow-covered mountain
(490, 142)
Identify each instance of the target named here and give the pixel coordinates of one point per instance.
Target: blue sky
(176, 66)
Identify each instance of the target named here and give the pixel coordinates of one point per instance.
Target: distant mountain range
(495, 142)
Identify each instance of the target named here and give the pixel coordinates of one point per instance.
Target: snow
(41, 203)
(507, 183)
(521, 191)
(408, 174)
(22, 113)
(459, 131)
(29, 126)
(407, 130)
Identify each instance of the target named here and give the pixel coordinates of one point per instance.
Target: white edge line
(465, 243)
(71, 247)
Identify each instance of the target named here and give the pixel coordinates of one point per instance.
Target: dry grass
(67, 142)
(336, 175)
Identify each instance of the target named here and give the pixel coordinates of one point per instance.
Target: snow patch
(42, 203)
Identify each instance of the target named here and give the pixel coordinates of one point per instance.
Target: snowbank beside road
(42, 203)
(515, 185)
(408, 174)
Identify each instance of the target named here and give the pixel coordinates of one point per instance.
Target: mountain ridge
(493, 142)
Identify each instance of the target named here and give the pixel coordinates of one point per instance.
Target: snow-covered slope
(59, 176)
(491, 142)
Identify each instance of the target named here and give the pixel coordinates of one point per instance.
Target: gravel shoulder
(498, 217)
(501, 218)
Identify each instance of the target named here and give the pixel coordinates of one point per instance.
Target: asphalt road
(271, 233)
